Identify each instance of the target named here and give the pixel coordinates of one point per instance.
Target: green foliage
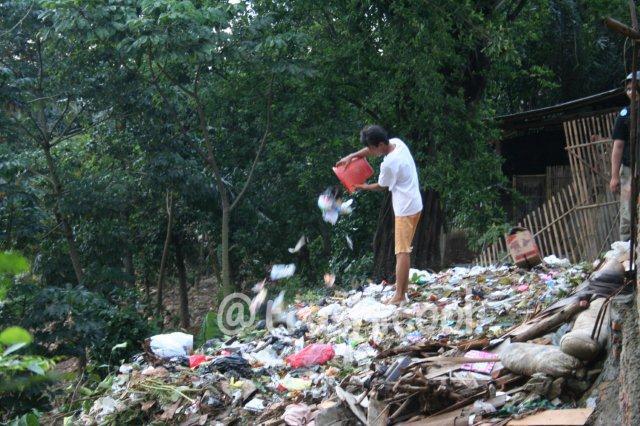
(74, 321)
(21, 375)
(11, 264)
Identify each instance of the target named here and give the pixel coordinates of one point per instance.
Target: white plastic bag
(171, 344)
(370, 310)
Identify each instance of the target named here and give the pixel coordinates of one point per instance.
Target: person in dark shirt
(621, 161)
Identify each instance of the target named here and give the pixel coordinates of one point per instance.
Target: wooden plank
(568, 223)
(568, 197)
(537, 234)
(566, 417)
(558, 212)
(542, 232)
(578, 173)
(553, 240)
(570, 153)
(587, 155)
(571, 241)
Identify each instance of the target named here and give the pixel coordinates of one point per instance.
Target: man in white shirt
(398, 174)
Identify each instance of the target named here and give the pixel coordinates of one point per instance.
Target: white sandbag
(610, 271)
(171, 344)
(529, 358)
(578, 341)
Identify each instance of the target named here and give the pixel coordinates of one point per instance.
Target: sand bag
(529, 358)
(578, 341)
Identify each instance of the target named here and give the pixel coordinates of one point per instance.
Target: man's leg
(405, 229)
(625, 196)
(403, 261)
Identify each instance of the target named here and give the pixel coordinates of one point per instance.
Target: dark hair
(374, 135)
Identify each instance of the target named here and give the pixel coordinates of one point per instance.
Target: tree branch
(258, 153)
(64, 112)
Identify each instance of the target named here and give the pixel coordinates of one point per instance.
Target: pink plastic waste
(196, 360)
(355, 173)
(314, 354)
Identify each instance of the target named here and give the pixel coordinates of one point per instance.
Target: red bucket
(355, 173)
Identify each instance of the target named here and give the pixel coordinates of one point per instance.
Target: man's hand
(368, 187)
(614, 184)
(344, 162)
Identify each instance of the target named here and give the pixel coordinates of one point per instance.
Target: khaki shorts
(405, 230)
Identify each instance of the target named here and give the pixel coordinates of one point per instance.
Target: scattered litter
(348, 357)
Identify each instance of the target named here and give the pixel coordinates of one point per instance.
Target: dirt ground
(201, 300)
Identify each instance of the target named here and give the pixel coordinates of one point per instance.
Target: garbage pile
(480, 344)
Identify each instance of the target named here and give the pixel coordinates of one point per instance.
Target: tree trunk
(74, 255)
(184, 289)
(127, 261)
(425, 243)
(165, 252)
(227, 287)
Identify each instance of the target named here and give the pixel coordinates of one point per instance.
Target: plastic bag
(171, 344)
(314, 354)
(370, 310)
(196, 360)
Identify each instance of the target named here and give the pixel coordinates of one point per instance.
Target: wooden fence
(581, 220)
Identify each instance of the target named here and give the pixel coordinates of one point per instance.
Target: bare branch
(258, 153)
(19, 22)
(64, 112)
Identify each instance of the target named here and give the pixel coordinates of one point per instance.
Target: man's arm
(616, 159)
(371, 187)
(364, 152)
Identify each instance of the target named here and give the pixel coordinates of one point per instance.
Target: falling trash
(332, 206)
(258, 301)
(301, 243)
(279, 272)
(329, 280)
(349, 242)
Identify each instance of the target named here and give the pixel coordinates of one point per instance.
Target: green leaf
(12, 263)
(14, 335)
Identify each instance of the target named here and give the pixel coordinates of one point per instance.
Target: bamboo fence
(580, 220)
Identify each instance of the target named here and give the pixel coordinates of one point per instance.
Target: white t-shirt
(398, 173)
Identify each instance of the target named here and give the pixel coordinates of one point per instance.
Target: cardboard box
(523, 248)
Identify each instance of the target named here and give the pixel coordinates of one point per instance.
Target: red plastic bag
(196, 360)
(314, 354)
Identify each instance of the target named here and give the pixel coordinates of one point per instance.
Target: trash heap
(480, 344)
